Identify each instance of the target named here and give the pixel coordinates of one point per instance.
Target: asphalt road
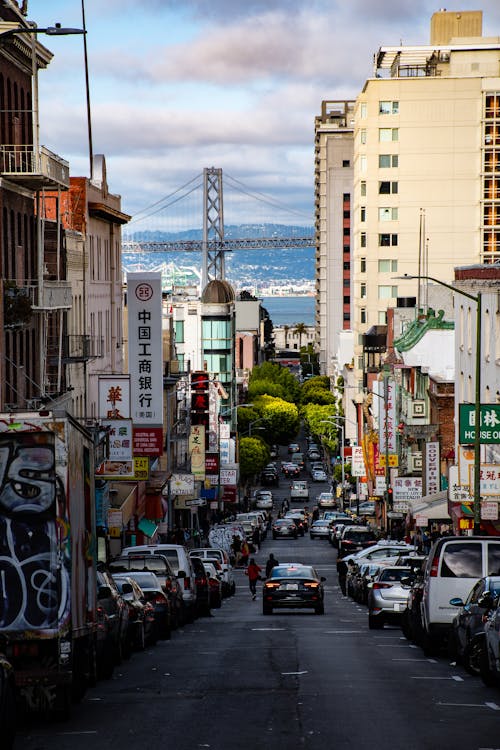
(243, 681)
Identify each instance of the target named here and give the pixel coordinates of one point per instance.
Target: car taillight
(158, 599)
(271, 585)
(25, 649)
(346, 542)
(187, 584)
(378, 585)
(311, 584)
(434, 567)
(202, 581)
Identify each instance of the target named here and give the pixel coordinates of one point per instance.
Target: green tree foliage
(264, 387)
(314, 417)
(318, 396)
(320, 381)
(279, 375)
(254, 455)
(281, 419)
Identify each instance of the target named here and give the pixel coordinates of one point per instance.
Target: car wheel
(266, 609)
(472, 657)
(375, 623)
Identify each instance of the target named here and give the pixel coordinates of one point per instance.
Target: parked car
(155, 594)
(486, 646)
(284, 527)
(214, 583)
(316, 466)
(363, 576)
(313, 454)
(112, 635)
(180, 563)
(468, 623)
(382, 550)
(202, 585)
(160, 566)
(228, 583)
(300, 520)
(141, 629)
(388, 596)
(274, 451)
(320, 529)
(294, 586)
(355, 538)
(453, 566)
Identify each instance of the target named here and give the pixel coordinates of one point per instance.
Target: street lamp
(477, 298)
(251, 424)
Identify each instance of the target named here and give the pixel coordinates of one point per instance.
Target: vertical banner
(432, 469)
(196, 447)
(387, 419)
(144, 297)
(357, 462)
(114, 396)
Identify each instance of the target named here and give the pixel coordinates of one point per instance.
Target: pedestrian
(342, 574)
(256, 538)
(270, 564)
(253, 572)
(236, 547)
(245, 551)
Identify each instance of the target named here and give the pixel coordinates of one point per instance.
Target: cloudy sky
(178, 85)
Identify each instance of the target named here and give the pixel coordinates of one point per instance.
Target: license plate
(291, 587)
(398, 607)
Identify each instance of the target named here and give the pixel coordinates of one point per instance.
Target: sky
(179, 85)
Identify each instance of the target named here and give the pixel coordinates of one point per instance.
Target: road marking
(266, 630)
(69, 734)
(341, 632)
(454, 677)
(493, 707)
(295, 673)
(419, 660)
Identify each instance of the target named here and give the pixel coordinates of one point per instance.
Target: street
(293, 679)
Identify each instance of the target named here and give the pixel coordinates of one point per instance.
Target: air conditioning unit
(418, 409)
(34, 404)
(415, 462)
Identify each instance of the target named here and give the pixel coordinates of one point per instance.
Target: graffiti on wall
(34, 570)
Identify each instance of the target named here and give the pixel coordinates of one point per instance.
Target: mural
(34, 544)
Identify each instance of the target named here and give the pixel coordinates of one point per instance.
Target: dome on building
(217, 291)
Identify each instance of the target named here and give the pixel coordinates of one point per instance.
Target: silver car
(388, 595)
(320, 529)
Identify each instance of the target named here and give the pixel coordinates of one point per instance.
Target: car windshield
(359, 536)
(391, 574)
(146, 580)
(292, 571)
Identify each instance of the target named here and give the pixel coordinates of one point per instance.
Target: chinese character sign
(387, 420)
(114, 396)
(197, 450)
(145, 354)
(357, 462)
(432, 468)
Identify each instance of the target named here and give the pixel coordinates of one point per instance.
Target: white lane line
(419, 660)
(454, 677)
(493, 706)
(295, 673)
(267, 630)
(70, 734)
(391, 645)
(342, 632)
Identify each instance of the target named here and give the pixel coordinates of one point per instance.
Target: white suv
(205, 553)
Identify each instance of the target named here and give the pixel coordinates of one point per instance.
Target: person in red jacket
(253, 572)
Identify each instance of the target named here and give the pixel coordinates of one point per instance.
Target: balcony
(81, 348)
(34, 171)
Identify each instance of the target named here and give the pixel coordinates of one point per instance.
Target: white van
(299, 489)
(453, 567)
(178, 557)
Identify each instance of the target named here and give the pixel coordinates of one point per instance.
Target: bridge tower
(213, 227)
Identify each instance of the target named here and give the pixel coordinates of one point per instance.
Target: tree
(274, 373)
(286, 329)
(282, 419)
(300, 329)
(253, 455)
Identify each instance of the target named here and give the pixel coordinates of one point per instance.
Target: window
(387, 188)
(362, 265)
(362, 135)
(387, 240)
(347, 266)
(363, 187)
(387, 292)
(347, 300)
(347, 282)
(347, 163)
(363, 213)
(382, 317)
(347, 249)
(362, 315)
(388, 160)
(362, 239)
(387, 266)
(363, 110)
(347, 214)
(362, 163)
(179, 331)
(346, 232)
(388, 134)
(346, 197)
(388, 214)
(362, 290)
(388, 108)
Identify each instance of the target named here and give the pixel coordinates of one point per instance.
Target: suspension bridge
(211, 240)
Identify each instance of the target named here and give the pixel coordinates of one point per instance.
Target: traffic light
(390, 497)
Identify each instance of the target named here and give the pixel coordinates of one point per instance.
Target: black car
(141, 628)
(202, 586)
(293, 586)
(355, 538)
(468, 623)
(269, 477)
(155, 594)
(112, 632)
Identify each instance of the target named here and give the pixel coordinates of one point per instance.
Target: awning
(148, 528)
(435, 510)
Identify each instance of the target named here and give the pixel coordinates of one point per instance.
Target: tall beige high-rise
(426, 194)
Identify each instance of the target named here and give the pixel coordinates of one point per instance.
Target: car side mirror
(456, 602)
(104, 592)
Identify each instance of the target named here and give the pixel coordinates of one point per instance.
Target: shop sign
(489, 423)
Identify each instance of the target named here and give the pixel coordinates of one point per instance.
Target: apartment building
(333, 170)
(426, 194)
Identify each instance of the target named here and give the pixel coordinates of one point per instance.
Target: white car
(264, 500)
(326, 500)
(319, 475)
(228, 583)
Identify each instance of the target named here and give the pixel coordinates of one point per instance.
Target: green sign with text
(489, 424)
